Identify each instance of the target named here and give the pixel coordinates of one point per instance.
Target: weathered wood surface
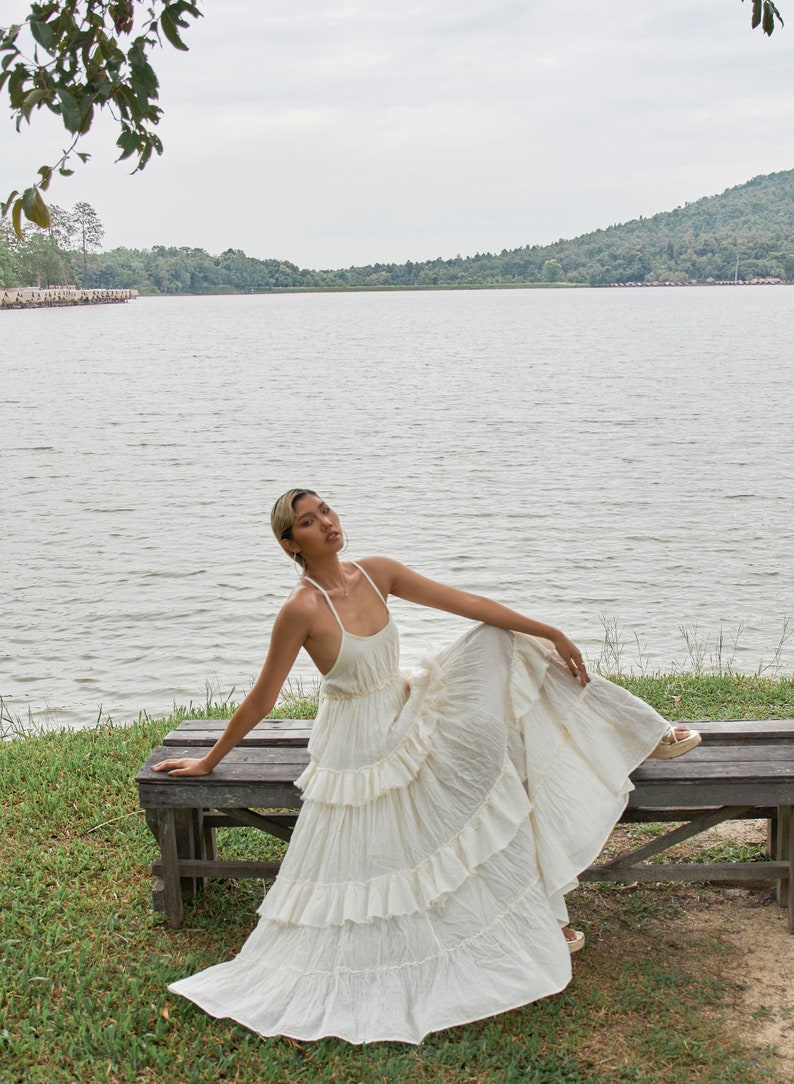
(729, 872)
(698, 824)
(298, 731)
(262, 777)
(744, 768)
(227, 868)
(646, 815)
(194, 732)
(727, 731)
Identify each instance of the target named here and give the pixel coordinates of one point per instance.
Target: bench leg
(209, 840)
(172, 889)
(205, 846)
(784, 852)
(790, 870)
(771, 836)
(191, 842)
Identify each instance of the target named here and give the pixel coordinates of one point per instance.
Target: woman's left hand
(572, 657)
(184, 766)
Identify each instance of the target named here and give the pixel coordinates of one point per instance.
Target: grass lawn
(85, 961)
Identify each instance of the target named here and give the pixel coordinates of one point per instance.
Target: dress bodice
(365, 664)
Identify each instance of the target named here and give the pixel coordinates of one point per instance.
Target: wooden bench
(744, 769)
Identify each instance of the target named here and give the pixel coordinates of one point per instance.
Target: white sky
(339, 132)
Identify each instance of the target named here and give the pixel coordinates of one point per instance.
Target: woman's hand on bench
(183, 766)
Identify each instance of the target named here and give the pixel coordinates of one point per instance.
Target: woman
(445, 814)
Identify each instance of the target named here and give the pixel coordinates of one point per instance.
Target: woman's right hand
(183, 766)
(571, 656)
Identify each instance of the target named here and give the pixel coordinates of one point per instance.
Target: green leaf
(16, 219)
(46, 177)
(169, 29)
(83, 156)
(64, 172)
(70, 111)
(756, 16)
(179, 7)
(9, 60)
(8, 40)
(128, 144)
(123, 16)
(143, 78)
(16, 86)
(43, 34)
(5, 207)
(31, 100)
(768, 21)
(36, 210)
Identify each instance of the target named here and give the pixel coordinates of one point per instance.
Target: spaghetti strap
(328, 600)
(366, 575)
(374, 586)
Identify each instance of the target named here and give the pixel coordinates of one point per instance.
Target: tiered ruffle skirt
(445, 816)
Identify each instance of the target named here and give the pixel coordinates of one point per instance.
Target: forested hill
(700, 241)
(746, 232)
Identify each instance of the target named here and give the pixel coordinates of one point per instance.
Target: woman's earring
(347, 540)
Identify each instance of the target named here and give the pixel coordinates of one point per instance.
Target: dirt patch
(759, 965)
(757, 950)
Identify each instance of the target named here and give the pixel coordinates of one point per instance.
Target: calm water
(623, 455)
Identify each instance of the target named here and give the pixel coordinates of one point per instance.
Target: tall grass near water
(705, 652)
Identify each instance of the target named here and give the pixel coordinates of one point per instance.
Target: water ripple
(577, 455)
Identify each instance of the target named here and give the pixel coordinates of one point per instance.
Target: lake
(618, 458)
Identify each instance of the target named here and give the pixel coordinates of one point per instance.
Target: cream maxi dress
(445, 815)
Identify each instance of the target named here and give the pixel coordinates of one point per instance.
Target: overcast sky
(339, 132)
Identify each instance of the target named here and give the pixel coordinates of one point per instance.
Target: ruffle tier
(482, 951)
(491, 828)
(579, 748)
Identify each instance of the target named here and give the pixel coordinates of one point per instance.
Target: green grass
(724, 696)
(85, 962)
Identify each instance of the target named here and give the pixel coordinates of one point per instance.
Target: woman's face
(315, 530)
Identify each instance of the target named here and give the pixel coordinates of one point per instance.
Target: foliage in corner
(74, 57)
(764, 15)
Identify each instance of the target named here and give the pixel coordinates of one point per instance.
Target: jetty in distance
(33, 297)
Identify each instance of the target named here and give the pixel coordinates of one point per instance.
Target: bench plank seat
(195, 732)
(726, 731)
(743, 769)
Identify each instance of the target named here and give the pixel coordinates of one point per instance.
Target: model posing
(445, 813)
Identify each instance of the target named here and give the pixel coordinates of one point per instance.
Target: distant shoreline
(34, 297)
(459, 286)
(54, 297)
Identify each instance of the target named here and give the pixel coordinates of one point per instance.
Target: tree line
(746, 233)
(62, 254)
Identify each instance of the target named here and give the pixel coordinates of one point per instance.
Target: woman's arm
(409, 585)
(289, 634)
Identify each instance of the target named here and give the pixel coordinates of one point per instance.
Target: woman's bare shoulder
(378, 562)
(301, 604)
(382, 569)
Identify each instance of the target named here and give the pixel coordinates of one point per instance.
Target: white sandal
(671, 745)
(576, 942)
